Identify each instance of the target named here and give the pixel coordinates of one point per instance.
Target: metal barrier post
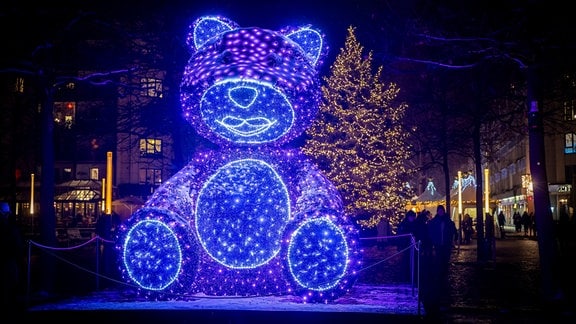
(28, 276)
(97, 262)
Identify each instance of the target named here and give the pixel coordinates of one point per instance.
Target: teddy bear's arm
(317, 194)
(173, 197)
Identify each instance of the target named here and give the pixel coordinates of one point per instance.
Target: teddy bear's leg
(158, 253)
(318, 254)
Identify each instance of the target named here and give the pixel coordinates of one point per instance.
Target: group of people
(436, 238)
(523, 222)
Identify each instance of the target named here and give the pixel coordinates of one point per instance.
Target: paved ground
(504, 289)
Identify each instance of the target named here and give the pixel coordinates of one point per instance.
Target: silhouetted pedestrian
(563, 232)
(425, 245)
(532, 224)
(525, 222)
(407, 244)
(443, 235)
(12, 247)
(467, 228)
(517, 219)
(422, 235)
(501, 223)
(490, 238)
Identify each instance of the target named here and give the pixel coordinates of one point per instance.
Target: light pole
(108, 209)
(459, 206)
(32, 195)
(487, 190)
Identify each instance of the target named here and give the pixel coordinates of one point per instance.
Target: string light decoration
(252, 215)
(358, 141)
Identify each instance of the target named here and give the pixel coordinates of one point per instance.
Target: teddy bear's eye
(273, 60)
(226, 57)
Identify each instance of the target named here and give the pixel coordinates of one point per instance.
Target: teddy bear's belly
(241, 213)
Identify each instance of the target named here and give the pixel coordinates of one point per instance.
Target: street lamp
(108, 209)
(460, 203)
(32, 194)
(486, 190)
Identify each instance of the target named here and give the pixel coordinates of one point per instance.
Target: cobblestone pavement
(504, 289)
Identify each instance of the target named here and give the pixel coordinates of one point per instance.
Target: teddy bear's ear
(311, 42)
(205, 28)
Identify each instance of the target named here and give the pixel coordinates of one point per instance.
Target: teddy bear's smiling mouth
(246, 127)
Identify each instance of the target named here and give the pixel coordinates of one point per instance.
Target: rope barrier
(413, 246)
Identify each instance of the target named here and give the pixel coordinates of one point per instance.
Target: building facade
(510, 179)
(89, 119)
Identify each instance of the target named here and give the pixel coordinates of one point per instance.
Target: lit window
(150, 146)
(512, 169)
(151, 87)
(19, 85)
(569, 110)
(150, 176)
(64, 113)
(94, 174)
(570, 143)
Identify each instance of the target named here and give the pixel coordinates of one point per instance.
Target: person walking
(490, 238)
(525, 220)
(501, 223)
(532, 225)
(435, 289)
(422, 232)
(517, 219)
(443, 234)
(467, 228)
(407, 244)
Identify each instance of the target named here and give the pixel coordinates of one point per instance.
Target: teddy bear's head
(251, 86)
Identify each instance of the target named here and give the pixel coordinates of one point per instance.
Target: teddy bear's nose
(243, 96)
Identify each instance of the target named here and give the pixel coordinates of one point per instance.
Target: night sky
(383, 26)
(332, 17)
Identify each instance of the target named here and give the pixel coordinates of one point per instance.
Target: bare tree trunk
(47, 214)
(445, 166)
(481, 255)
(547, 246)
(447, 181)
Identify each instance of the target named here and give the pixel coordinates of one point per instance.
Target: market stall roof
(81, 184)
(428, 200)
(79, 190)
(430, 194)
(126, 206)
(79, 195)
(468, 188)
(468, 194)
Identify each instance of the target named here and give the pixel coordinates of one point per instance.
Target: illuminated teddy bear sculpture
(253, 216)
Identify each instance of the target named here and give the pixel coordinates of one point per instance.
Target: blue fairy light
(250, 216)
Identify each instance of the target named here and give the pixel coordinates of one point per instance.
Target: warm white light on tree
(359, 141)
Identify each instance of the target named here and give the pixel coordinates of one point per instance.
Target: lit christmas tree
(358, 140)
